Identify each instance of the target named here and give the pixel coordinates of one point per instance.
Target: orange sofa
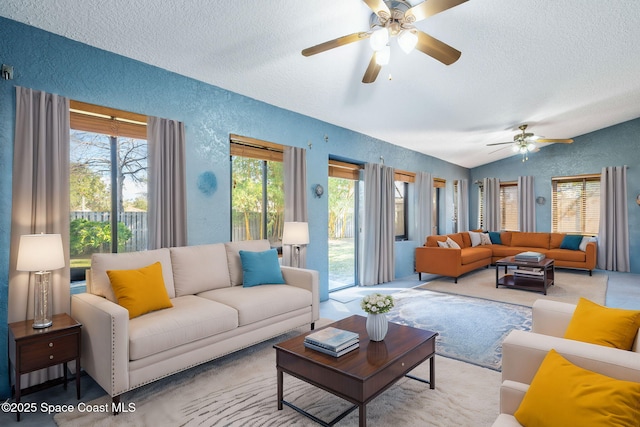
(451, 262)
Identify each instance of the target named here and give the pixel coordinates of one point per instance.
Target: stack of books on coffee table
(528, 272)
(332, 341)
(529, 257)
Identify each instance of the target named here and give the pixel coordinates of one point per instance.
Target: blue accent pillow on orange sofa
(571, 241)
(260, 268)
(495, 237)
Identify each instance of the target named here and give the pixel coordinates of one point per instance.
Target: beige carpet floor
(240, 390)
(569, 286)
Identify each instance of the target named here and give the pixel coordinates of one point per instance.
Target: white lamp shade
(407, 40)
(379, 39)
(295, 233)
(383, 56)
(40, 252)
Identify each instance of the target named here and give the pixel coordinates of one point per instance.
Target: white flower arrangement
(377, 303)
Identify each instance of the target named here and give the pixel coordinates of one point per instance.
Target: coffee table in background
(529, 283)
(361, 375)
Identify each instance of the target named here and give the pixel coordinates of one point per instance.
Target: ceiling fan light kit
(525, 142)
(395, 18)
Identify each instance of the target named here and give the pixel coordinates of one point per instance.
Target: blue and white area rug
(470, 329)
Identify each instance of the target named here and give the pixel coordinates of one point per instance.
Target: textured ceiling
(564, 67)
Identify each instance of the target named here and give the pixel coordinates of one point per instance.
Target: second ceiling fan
(525, 142)
(395, 18)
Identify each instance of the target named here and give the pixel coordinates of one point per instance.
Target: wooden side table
(33, 349)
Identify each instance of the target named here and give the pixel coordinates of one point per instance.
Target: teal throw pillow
(495, 237)
(260, 268)
(571, 241)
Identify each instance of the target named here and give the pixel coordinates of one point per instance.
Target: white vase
(377, 325)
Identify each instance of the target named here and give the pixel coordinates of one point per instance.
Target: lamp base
(296, 256)
(43, 317)
(42, 324)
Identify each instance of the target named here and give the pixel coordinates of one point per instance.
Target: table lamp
(40, 253)
(296, 234)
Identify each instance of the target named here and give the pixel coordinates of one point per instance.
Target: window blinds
(575, 204)
(509, 206)
(107, 121)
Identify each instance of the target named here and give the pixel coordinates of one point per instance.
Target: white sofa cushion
(233, 256)
(523, 352)
(506, 420)
(100, 263)
(261, 302)
(190, 319)
(199, 268)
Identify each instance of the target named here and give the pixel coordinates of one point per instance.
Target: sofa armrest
(442, 261)
(591, 255)
(105, 341)
(511, 395)
(551, 317)
(523, 352)
(305, 279)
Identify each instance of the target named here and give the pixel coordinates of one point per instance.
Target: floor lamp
(40, 253)
(296, 234)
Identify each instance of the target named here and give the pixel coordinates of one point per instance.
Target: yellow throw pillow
(562, 394)
(596, 324)
(140, 291)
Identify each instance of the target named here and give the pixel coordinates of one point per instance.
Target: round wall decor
(207, 183)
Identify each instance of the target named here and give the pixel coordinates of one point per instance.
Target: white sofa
(212, 314)
(523, 352)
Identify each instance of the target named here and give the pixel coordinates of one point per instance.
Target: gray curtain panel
(613, 235)
(167, 183)
(423, 206)
(463, 205)
(492, 220)
(40, 197)
(526, 204)
(295, 197)
(379, 220)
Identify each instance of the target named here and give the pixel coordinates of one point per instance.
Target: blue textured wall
(47, 62)
(614, 146)
(54, 64)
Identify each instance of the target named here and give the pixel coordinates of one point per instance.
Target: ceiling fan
(525, 142)
(395, 18)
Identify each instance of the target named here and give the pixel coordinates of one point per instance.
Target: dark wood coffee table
(538, 283)
(361, 375)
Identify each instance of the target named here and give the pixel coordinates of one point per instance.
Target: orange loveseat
(433, 259)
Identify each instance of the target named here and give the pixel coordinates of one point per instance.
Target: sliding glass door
(343, 233)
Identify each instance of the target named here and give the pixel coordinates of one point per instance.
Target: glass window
(108, 194)
(575, 205)
(509, 206)
(401, 210)
(257, 199)
(435, 217)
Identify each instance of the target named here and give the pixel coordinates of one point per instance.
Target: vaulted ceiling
(564, 67)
